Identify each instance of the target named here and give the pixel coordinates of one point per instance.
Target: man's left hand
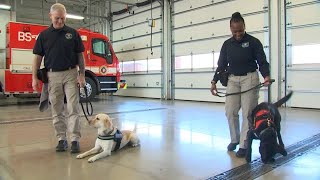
(81, 80)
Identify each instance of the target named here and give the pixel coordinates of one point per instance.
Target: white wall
(142, 85)
(5, 17)
(131, 34)
(303, 27)
(131, 40)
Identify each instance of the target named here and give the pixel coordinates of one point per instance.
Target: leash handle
(271, 81)
(89, 110)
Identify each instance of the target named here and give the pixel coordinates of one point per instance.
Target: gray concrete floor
(179, 140)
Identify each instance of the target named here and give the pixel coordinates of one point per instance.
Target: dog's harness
(260, 117)
(116, 137)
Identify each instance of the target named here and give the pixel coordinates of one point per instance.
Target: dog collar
(266, 130)
(107, 133)
(109, 137)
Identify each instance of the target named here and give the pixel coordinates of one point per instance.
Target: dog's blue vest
(117, 137)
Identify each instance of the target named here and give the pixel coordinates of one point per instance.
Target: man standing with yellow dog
(61, 47)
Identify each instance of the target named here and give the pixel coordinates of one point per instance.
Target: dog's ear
(108, 122)
(94, 118)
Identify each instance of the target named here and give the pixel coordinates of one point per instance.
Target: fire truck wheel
(91, 90)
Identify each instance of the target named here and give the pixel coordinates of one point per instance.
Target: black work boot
(232, 146)
(62, 146)
(241, 153)
(75, 147)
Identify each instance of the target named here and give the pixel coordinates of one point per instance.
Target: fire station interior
(153, 75)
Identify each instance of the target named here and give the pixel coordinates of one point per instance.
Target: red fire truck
(102, 65)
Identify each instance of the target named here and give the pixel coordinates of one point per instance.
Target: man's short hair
(58, 7)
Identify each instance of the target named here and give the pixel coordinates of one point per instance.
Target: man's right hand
(213, 89)
(36, 84)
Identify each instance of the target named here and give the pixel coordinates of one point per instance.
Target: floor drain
(257, 168)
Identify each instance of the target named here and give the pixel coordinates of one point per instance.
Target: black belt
(243, 74)
(64, 69)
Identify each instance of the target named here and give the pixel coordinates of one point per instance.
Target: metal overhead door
(303, 52)
(200, 28)
(139, 53)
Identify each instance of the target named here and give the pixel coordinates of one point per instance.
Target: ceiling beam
(84, 2)
(121, 2)
(73, 3)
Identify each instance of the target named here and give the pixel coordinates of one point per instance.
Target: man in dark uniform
(240, 55)
(61, 47)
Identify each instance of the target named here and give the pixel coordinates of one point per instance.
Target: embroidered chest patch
(68, 36)
(245, 44)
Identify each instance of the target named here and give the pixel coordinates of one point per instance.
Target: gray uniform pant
(247, 101)
(61, 84)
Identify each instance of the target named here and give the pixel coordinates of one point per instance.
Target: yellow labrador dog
(109, 138)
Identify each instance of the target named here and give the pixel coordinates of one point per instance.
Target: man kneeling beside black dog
(266, 127)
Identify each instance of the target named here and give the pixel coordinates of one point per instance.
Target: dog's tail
(135, 128)
(283, 100)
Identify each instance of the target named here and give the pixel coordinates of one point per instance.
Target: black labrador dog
(266, 127)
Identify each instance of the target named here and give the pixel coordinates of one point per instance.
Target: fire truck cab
(102, 65)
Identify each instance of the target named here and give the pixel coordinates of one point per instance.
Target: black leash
(89, 111)
(260, 85)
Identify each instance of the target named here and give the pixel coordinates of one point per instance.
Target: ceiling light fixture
(5, 7)
(72, 16)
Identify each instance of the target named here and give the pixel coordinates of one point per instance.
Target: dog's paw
(272, 160)
(92, 159)
(283, 152)
(135, 145)
(80, 156)
(248, 159)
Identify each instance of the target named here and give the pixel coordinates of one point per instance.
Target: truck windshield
(101, 48)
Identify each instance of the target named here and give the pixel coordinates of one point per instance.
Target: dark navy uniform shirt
(242, 57)
(59, 47)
